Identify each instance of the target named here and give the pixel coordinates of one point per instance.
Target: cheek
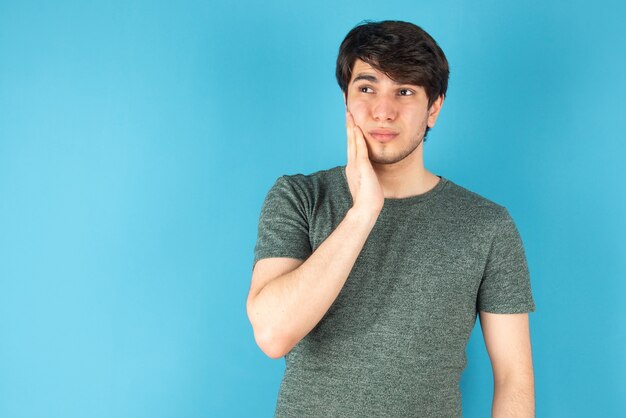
(416, 117)
(358, 110)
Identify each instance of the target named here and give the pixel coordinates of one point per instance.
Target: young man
(368, 277)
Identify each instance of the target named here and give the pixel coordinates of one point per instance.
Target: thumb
(361, 145)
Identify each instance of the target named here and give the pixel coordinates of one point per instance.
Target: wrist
(363, 215)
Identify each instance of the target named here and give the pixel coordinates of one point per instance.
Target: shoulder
(313, 184)
(475, 207)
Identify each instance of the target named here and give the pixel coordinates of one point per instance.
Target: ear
(345, 99)
(433, 112)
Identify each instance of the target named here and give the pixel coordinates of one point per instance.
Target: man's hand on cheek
(367, 194)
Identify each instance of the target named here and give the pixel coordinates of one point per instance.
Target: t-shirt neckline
(401, 201)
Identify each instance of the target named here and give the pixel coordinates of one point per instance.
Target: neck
(405, 178)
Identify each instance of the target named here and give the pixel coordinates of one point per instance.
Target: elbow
(267, 340)
(270, 345)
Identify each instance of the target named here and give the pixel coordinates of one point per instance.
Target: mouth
(383, 135)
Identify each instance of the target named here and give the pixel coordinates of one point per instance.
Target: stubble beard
(385, 158)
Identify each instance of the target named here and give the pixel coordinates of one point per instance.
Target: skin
(394, 169)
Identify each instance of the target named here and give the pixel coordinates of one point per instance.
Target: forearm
(514, 398)
(290, 306)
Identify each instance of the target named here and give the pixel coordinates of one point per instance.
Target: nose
(384, 108)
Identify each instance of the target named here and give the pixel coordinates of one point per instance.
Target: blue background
(138, 140)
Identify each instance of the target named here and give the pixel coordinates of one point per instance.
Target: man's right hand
(288, 297)
(367, 193)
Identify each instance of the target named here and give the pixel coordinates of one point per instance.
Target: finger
(350, 137)
(349, 120)
(361, 145)
(351, 147)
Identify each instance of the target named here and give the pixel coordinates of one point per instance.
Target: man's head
(402, 51)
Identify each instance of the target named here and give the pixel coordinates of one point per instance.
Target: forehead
(362, 65)
(362, 68)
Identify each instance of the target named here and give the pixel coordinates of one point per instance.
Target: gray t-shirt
(393, 342)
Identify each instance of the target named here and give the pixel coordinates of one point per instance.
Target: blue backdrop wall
(138, 140)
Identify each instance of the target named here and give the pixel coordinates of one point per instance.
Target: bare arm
(285, 308)
(507, 338)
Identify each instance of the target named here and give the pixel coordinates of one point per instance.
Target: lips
(383, 135)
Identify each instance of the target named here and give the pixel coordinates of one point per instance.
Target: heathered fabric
(393, 342)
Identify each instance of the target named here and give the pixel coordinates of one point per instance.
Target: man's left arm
(507, 338)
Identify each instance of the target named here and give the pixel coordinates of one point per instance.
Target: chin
(392, 159)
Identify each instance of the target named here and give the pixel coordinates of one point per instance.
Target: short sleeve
(283, 229)
(505, 286)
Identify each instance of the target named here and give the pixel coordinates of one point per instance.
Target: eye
(406, 92)
(363, 89)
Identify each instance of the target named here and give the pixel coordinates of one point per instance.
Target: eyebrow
(370, 78)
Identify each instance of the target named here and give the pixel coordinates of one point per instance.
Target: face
(392, 116)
